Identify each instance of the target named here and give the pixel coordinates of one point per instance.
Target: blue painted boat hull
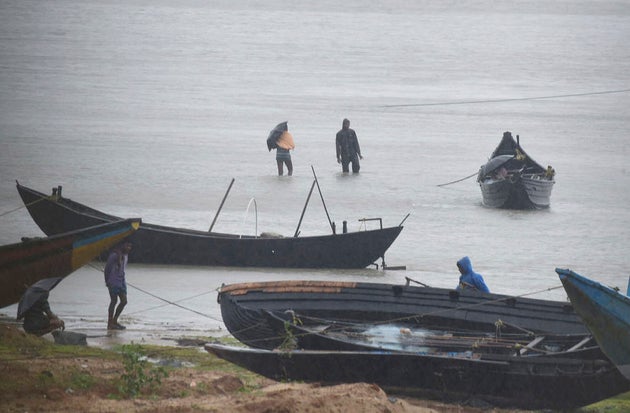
(606, 312)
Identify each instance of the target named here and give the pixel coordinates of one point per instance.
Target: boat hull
(156, 244)
(25, 263)
(521, 193)
(606, 312)
(243, 308)
(518, 382)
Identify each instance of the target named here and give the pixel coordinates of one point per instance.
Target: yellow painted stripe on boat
(86, 253)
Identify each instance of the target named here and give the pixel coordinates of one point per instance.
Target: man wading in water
(348, 149)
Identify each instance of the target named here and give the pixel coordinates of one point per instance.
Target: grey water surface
(149, 109)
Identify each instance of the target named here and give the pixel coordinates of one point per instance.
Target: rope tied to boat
(27, 205)
(168, 302)
(459, 180)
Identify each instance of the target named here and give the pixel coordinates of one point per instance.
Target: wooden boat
(513, 180)
(605, 311)
(299, 332)
(243, 305)
(27, 262)
(515, 382)
(157, 244)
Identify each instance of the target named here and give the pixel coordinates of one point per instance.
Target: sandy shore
(38, 375)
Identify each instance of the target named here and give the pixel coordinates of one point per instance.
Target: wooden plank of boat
(242, 306)
(27, 262)
(521, 382)
(605, 311)
(158, 244)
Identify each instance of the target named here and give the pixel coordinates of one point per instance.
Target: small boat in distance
(159, 244)
(544, 382)
(34, 259)
(513, 180)
(605, 311)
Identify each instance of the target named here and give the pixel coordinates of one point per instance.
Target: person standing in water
(283, 156)
(347, 148)
(116, 284)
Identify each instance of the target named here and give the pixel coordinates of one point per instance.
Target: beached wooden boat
(513, 180)
(300, 332)
(243, 306)
(157, 244)
(31, 260)
(544, 382)
(605, 311)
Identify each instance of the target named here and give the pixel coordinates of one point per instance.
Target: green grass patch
(617, 404)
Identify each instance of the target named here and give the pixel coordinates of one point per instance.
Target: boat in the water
(545, 382)
(243, 308)
(158, 244)
(24, 263)
(511, 179)
(605, 311)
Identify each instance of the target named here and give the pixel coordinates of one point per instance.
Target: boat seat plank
(532, 344)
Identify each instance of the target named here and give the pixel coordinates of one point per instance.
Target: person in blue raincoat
(469, 278)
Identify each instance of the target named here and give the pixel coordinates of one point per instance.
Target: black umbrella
(495, 163)
(275, 134)
(35, 292)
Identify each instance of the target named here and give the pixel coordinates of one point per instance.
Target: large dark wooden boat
(513, 180)
(605, 311)
(158, 244)
(31, 260)
(300, 332)
(243, 308)
(545, 382)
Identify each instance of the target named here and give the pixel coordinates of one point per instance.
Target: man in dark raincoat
(469, 278)
(348, 149)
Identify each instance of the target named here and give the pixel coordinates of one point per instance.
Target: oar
(221, 206)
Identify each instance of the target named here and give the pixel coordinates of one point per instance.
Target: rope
(467, 102)
(22, 206)
(174, 303)
(459, 180)
(167, 303)
(165, 300)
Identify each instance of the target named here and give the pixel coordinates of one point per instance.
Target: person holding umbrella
(116, 284)
(35, 309)
(282, 141)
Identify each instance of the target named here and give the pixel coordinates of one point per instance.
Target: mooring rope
(468, 102)
(459, 180)
(168, 302)
(21, 206)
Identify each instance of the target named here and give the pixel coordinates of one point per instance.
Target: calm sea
(149, 109)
